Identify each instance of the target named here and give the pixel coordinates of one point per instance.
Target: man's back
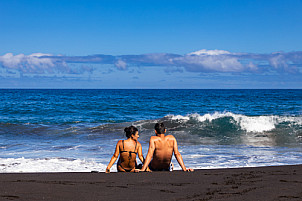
(163, 151)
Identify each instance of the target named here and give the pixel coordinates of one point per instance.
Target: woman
(127, 150)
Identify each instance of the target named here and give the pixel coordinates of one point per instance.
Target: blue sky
(151, 44)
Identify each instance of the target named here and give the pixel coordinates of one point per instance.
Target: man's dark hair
(160, 128)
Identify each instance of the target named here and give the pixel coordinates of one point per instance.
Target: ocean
(50, 130)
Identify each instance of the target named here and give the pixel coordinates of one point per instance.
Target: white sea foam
(248, 123)
(256, 124)
(197, 157)
(49, 165)
(179, 117)
(220, 156)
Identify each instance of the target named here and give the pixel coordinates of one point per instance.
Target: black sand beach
(260, 183)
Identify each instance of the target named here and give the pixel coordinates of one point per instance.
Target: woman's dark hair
(131, 130)
(160, 128)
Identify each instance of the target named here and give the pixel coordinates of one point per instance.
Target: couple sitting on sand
(161, 149)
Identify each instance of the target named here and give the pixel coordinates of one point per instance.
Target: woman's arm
(140, 153)
(141, 156)
(114, 157)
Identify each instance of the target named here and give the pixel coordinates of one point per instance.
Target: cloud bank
(202, 61)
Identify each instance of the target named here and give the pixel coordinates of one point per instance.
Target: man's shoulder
(157, 138)
(153, 138)
(170, 137)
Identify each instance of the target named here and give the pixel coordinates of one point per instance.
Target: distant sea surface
(77, 130)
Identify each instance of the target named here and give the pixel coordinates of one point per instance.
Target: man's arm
(149, 155)
(114, 157)
(179, 157)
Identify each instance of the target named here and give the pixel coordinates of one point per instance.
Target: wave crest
(247, 123)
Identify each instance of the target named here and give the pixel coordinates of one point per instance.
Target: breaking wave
(246, 123)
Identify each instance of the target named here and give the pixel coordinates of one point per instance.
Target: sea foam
(9, 165)
(247, 123)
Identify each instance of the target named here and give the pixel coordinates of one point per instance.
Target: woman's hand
(107, 170)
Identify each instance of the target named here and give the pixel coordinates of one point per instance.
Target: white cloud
(205, 61)
(209, 52)
(28, 63)
(121, 65)
(11, 61)
(37, 63)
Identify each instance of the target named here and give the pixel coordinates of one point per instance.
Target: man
(161, 148)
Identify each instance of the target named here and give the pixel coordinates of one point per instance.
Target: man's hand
(189, 170)
(139, 170)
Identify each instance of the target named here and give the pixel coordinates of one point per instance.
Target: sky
(143, 44)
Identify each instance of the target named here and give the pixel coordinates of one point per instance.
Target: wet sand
(261, 183)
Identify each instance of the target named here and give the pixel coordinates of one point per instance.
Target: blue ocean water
(77, 130)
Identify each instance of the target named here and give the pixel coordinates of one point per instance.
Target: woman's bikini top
(130, 152)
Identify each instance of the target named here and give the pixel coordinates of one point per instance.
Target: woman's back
(128, 151)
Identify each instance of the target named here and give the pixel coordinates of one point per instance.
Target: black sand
(261, 183)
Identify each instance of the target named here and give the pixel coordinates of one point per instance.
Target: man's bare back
(161, 149)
